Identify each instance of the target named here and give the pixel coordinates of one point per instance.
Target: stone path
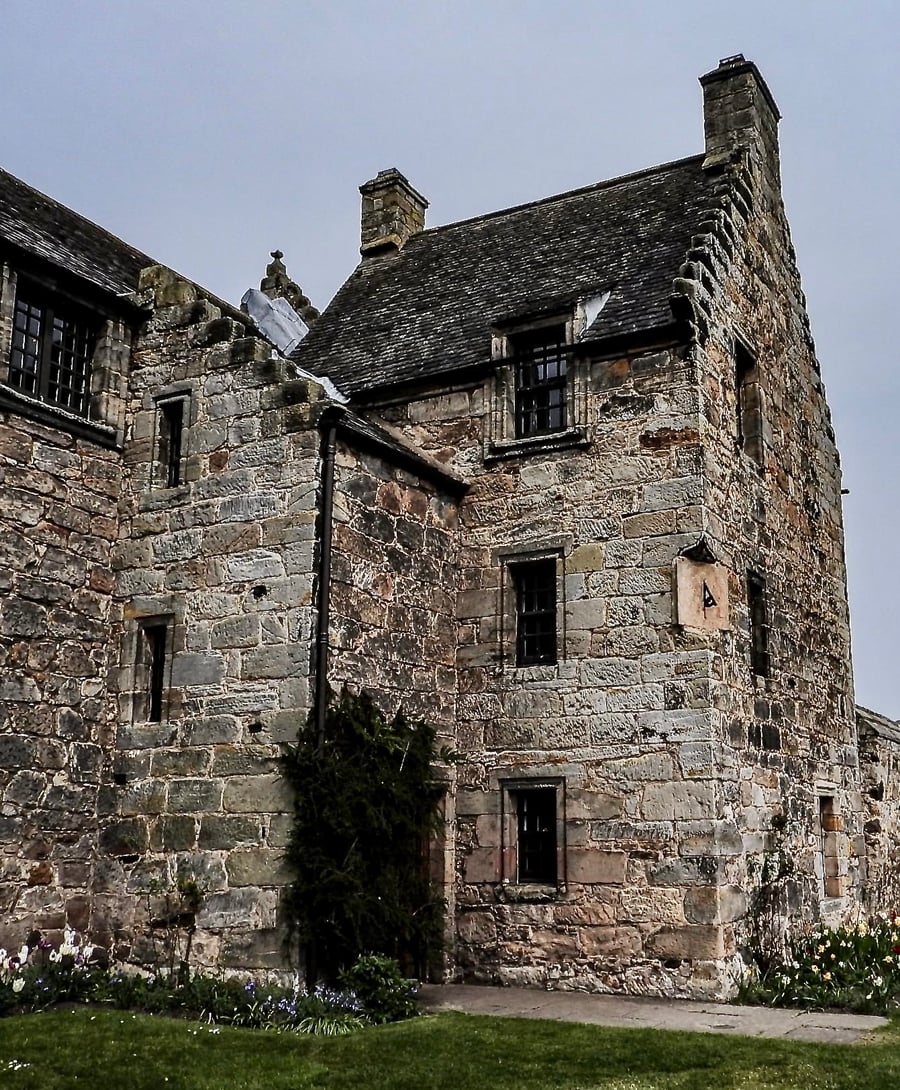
(636, 1012)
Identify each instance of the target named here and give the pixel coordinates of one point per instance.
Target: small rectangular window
(154, 638)
(171, 433)
(51, 352)
(759, 624)
(830, 827)
(749, 403)
(535, 834)
(540, 359)
(535, 587)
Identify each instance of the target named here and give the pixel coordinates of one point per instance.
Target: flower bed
(853, 967)
(40, 976)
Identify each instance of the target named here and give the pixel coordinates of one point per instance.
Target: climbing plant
(365, 807)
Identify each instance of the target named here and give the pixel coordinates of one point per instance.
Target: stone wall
(679, 769)
(225, 561)
(58, 524)
(773, 495)
(879, 754)
(393, 589)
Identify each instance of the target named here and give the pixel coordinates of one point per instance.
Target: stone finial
(276, 284)
(739, 112)
(392, 212)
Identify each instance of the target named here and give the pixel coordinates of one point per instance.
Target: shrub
(365, 804)
(854, 967)
(384, 994)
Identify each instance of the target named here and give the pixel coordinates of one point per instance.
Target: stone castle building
(561, 479)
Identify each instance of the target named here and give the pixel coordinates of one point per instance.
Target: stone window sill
(526, 893)
(160, 498)
(535, 444)
(14, 401)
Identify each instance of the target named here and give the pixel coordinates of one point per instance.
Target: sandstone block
(482, 865)
(234, 908)
(476, 928)
(257, 867)
(689, 942)
(218, 833)
(256, 794)
(194, 796)
(678, 801)
(197, 669)
(587, 866)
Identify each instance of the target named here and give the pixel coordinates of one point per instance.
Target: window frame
(748, 402)
(153, 665)
(513, 791)
(502, 435)
(540, 360)
(523, 572)
(57, 314)
(758, 621)
(169, 469)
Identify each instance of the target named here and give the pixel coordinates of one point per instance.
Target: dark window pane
(171, 431)
(535, 584)
(51, 353)
(541, 363)
(536, 834)
(155, 641)
(759, 624)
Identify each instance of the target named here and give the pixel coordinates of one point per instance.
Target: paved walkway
(636, 1012)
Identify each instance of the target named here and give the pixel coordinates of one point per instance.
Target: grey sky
(208, 133)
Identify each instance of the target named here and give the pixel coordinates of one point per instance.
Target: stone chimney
(740, 113)
(392, 211)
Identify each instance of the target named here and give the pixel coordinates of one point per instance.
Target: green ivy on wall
(366, 806)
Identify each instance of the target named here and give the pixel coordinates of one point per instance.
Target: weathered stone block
(235, 908)
(256, 794)
(482, 865)
(194, 796)
(224, 833)
(689, 943)
(197, 669)
(257, 867)
(678, 801)
(586, 866)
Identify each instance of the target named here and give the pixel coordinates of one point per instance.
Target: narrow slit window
(536, 835)
(171, 436)
(830, 826)
(749, 403)
(535, 587)
(155, 639)
(759, 624)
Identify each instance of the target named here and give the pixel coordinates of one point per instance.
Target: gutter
(328, 423)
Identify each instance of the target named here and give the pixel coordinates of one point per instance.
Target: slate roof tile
(428, 310)
(46, 229)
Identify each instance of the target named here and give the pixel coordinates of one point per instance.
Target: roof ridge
(592, 188)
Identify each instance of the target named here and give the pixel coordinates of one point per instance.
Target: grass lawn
(112, 1050)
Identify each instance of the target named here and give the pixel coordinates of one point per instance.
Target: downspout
(326, 512)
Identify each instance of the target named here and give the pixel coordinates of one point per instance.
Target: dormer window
(540, 358)
(538, 395)
(51, 351)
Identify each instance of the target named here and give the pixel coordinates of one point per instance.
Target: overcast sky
(208, 133)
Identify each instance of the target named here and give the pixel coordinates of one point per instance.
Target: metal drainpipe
(326, 511)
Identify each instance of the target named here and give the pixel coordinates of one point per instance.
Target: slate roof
(46, 229)
(428, 310)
